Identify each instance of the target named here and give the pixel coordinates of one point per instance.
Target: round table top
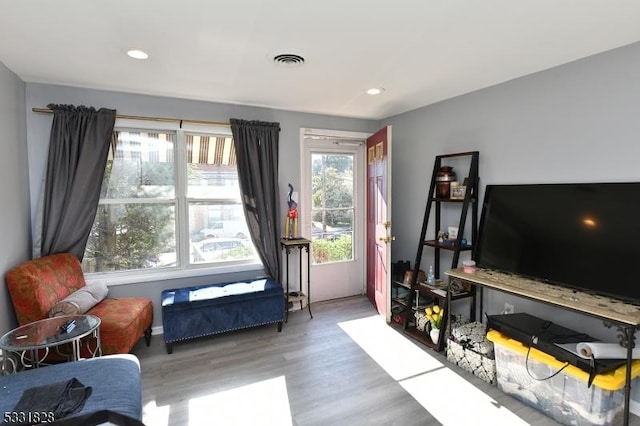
(48, 332)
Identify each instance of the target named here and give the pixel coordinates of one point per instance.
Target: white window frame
(329, 276)
(185, 270)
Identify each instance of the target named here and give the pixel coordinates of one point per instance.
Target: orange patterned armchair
(36, 286)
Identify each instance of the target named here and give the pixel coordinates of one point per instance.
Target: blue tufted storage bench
(208, 309)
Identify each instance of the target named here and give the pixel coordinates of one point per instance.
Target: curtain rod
(161, 119)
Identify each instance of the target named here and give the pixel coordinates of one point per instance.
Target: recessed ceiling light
(137, 54)
(375, 91)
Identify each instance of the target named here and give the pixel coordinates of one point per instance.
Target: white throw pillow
(80, 301)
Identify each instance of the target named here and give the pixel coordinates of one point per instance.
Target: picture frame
(371, 155)
(458, 192)
(453, 232)
(379, 151)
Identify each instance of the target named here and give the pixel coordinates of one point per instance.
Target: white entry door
(333, 211)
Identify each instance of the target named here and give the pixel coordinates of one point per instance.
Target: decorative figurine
(291, 222)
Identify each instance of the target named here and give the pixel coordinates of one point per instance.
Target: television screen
(581, 236)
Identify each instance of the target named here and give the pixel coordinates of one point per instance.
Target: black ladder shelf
(469, 202)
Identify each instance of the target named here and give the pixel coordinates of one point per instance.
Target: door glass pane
(332, 213)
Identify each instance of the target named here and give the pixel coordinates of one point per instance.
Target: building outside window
(169, 199)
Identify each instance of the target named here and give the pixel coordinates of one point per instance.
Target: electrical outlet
(508, 308)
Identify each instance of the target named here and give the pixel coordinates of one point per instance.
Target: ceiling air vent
(288, 60)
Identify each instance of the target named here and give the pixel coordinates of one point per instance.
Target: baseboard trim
(157, 330)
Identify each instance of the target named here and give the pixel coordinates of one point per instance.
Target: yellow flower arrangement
(435, 314)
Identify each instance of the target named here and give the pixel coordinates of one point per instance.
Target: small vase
(435, 335)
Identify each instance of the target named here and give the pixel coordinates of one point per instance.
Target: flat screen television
(584, 236)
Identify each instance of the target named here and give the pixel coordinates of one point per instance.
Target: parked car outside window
(215, 249)
(226, 228)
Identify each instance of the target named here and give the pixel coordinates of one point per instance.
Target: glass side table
(33, 342)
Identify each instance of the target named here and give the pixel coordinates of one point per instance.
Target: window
(169, 199)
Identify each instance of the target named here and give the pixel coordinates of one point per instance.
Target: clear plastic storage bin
(565, 397)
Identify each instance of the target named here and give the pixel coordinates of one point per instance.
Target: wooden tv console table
(625, 316)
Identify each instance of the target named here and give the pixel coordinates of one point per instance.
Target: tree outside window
(332, 211)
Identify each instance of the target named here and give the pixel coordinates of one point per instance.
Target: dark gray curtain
(78, 149)
(256, 145)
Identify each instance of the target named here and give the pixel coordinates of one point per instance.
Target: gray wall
(579, 122)
(14, 190)
(39, 125)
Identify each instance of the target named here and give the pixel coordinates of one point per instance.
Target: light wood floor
(314, 373)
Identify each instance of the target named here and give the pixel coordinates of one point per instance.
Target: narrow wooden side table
(298, 244)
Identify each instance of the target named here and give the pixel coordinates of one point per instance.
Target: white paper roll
(605, 350)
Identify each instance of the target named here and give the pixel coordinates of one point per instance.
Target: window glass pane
(140, 165)
(211, 168)
(130, 237)
(217, 227)
(332, 207)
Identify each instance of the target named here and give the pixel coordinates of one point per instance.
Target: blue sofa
(192, 312)
(115, 382)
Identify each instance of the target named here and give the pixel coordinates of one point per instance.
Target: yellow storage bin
(565, 397)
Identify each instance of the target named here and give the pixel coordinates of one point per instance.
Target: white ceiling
(420, 51)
